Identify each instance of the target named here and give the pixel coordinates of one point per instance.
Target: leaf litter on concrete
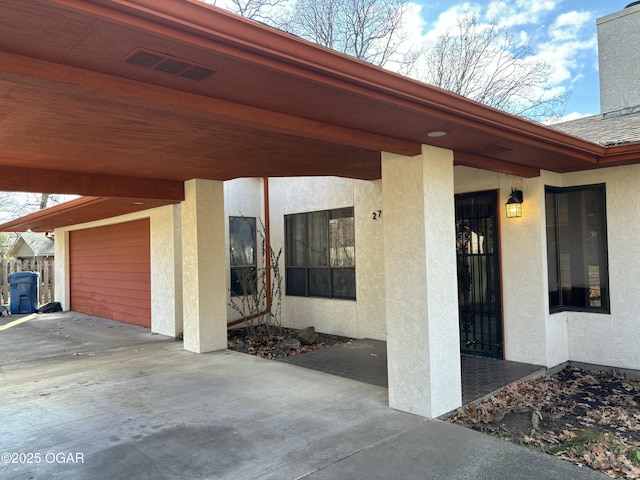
(590, 418)
(273, 345)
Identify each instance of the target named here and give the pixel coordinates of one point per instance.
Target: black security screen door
(480, 305)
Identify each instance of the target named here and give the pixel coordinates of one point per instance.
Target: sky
(561, 32)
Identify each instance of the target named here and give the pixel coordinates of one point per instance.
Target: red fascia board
(13, 225)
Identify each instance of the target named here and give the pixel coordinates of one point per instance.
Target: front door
(478, 259)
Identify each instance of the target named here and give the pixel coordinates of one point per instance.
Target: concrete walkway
(87, 398)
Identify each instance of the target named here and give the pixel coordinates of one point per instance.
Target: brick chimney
(619, 57)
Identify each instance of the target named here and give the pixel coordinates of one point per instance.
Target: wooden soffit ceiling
(130, 98)
(80, 210)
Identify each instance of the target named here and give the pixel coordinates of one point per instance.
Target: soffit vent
(168, 64)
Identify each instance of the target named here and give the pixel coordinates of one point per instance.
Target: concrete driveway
(88, 398)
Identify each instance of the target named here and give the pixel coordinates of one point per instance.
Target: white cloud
(524, 37)
(447, 21)
(564, 58)
(521, 12)
(569, 26)
(414, 22)
(568, 117)
(569, 38)
(536, 6)
(496, 10)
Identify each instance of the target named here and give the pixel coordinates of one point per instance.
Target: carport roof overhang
(130, 98)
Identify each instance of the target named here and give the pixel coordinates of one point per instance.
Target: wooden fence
(43, 266)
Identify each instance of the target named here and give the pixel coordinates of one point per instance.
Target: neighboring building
(387, 196)
(32, 245)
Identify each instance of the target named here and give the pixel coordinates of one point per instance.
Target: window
(242, 246)
(320, 254)
(577, 248)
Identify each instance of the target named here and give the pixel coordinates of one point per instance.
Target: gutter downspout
(267, 260)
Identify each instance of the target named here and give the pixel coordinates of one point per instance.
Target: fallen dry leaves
(587, 417)
(264, 345)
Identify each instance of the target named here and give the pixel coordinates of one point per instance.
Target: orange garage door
(110, 273)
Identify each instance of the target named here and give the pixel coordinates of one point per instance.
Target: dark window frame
(576, 227)
(317, 264)
(239, 265)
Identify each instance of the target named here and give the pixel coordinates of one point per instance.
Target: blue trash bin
(23, 290)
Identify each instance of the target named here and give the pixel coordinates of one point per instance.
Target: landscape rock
(307, 335)
(288, 344)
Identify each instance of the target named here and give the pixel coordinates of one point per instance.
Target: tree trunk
(44, 199)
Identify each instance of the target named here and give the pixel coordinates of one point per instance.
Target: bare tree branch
(17, 204)
(486, 64)
(370, 30)
(270, 12)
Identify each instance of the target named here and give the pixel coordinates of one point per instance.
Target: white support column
(166, 268)
(61, 271)
(421, 289)
(204, 267)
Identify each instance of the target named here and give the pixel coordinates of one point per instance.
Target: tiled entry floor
(366, 361)
(482, 375)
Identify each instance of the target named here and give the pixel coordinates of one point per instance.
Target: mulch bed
(587, 417)
(269, 344)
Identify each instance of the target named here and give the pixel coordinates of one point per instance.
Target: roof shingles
(605, 130)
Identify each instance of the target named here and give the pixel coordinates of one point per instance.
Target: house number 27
(377, 214)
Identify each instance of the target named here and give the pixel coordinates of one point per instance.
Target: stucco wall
(166, 271)
(361, 318)
(243, 197)
(61, 248)
(365, 316)
(423, 346)
(619, 66)
(612, 339)
(204, 266)
(556, 337)
(529, 334)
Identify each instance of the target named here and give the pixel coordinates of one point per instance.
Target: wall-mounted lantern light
(514, 204)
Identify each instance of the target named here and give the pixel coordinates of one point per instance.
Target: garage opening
(110, 272)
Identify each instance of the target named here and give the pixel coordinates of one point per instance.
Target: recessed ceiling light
(436, 134)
